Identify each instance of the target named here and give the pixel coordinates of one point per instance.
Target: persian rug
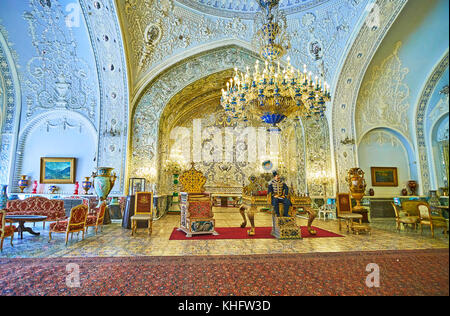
(241, 233)
(407, 272)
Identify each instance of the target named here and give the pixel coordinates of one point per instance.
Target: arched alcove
(174, 95)
(194, 128)
(57, 133)
(384, 147)
(440, 155)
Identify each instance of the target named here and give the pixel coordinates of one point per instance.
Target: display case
(136, 185)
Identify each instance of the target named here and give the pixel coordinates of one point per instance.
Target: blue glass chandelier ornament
(272, 92)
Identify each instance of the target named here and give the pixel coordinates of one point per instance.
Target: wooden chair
(75, 224)
(5, 231)
(344, 211)
(410, 207)
(426, 218)
(404, 218)
(143, 211)
(96, 219)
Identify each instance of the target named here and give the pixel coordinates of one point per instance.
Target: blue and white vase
(3, 196)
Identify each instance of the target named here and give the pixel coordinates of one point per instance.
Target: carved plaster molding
(106, 38)
(420, 118)
(148, 111)
(318, 36)
(348, 85)
(12, 103)
(383, 99)
(246, 9)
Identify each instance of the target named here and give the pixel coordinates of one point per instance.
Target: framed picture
(384, 176)
(57, 170)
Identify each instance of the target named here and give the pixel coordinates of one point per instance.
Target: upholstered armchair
(402, 217)
(74, 224)
(5, 231)
(410, 208)
(426, 218)
(196, 215)
(344, 211)
(96, 219)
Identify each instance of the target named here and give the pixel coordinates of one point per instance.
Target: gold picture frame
(384, 176)
(57, 170)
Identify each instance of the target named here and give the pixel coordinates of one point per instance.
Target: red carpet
(241, 233)
(412, 272)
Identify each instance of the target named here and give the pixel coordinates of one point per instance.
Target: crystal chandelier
(274, 92)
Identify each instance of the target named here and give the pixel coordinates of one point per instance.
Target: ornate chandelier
(272, 92)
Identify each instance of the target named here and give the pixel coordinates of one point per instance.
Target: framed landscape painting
(384, 176)
(57, 170)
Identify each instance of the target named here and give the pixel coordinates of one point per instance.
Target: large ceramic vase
(3, 196)
(357, 184)
(103, 182)
(412, 185)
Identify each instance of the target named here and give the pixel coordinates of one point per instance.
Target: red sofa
(37, 205)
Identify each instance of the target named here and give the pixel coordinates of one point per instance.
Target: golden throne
(254, 197)
(196, 207)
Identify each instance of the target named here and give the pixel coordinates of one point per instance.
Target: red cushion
(262, 193)
(9, 230)
(91, 220)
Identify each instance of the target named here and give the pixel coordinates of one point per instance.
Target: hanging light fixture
(271, 91)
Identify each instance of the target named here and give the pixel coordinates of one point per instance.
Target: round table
(22, 219)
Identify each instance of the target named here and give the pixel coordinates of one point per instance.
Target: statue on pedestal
(279, 191)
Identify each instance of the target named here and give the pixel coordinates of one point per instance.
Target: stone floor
(116, 241)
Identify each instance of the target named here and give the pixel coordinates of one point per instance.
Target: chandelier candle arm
(274, 93)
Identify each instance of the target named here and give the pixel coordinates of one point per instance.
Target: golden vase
(357, 185)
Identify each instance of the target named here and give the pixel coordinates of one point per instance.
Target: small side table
(22, 219)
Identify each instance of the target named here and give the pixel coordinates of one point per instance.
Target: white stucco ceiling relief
(246, 8)
(159, 32)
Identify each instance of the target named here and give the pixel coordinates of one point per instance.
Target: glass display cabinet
(136, 185)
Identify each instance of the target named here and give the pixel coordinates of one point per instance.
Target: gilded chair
(426, 218)
(401, 217)
(344, 211)
(74, 224)
(143, 211)
(254, 197)
(95, 219)
(196, 216)
(5, 231)
(410, 207)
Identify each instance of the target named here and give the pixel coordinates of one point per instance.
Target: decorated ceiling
(246, 8)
